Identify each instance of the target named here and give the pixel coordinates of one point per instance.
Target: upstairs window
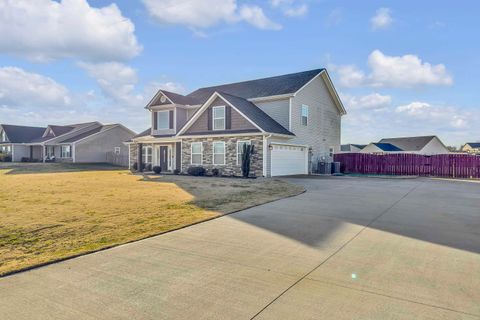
(163, 120)
(304, 115)
(3, 136)
(218, 118)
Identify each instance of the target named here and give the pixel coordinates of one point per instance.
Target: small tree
(246, 157)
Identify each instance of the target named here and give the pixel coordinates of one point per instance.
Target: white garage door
(288, 160)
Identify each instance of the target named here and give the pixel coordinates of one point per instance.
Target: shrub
(248, 150)
(135, 166)
(148, 167)
(157, 169)
(196, 171)
(25, 159)
(7, 159)
(215, 172)
(176, 172)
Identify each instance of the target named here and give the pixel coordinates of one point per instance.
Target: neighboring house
(427, 145)
(291, 120)
(84, 142)
(351, 148)
(471, 147)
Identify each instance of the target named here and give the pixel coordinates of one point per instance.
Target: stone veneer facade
(230, 168)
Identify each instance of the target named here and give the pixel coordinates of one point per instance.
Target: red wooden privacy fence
(442, 165)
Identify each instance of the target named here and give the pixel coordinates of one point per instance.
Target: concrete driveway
(349, 248)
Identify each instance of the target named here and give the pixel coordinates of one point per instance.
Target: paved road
(349, 248)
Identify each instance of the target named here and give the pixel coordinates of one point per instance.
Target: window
(219, 152)
(116, 150)
(197, 151)
(331, 151)
(240, 145)
(3, 136)
(147, 154)
(304, 115)
(163, 120)
(66, 151)
(219, 118)
(50, 151)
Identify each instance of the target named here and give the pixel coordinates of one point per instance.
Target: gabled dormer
(169, 112)
(3, 135)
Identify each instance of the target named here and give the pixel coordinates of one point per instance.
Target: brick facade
(230, 168)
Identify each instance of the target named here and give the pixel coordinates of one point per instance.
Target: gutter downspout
(265, 150)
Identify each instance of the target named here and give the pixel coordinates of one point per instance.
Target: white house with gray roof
(427, 145)
(83, 142)
(292, 120)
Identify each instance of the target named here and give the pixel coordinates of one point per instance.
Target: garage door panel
(288, 160)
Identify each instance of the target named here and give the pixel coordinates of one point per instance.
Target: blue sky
(401, 68)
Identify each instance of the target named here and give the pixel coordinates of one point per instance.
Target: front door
(164, 158)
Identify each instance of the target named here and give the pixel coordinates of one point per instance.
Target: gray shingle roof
(348, 147)
(272, 86)
(59, 130)
(22, 134)
(180, 99)
(256, 114)
(87, 133)
(409, 143)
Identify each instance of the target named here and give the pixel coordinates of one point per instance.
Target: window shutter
(210, 118)
(170, 118)
(228, 117)
(155, 120)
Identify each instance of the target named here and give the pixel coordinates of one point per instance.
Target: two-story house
(292, 121)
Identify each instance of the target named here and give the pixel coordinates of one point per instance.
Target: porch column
(139, 157)
(31, 152)
(43, 153)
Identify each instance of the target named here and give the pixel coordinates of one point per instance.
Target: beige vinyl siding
(95, 148)
(435, 146)
(191, 112)
(181, 117)
(324, 119)
(278, 110)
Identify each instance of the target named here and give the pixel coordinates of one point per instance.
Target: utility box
(324, 168)
(335, 167)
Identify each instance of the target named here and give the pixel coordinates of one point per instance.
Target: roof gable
(409, 143)
(245, 108)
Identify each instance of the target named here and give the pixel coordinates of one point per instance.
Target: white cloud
(290, 8)
(207, 13)
(373, 101)
(19, 88)
(334, 18)
(117, 82)
(44, 30)
(406, 71)
(440, 115)
(255, 16)
(382, 19)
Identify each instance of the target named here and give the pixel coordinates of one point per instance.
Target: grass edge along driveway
(51, 216)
